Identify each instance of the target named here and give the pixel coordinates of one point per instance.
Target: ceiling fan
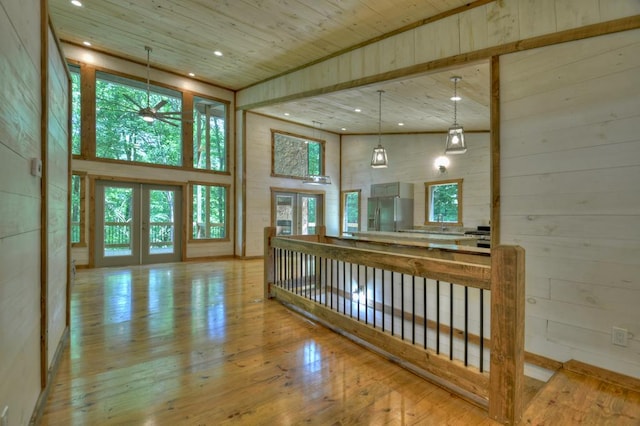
(152, 113)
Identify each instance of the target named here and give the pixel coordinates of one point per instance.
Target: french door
(137, 223)
(297, 213)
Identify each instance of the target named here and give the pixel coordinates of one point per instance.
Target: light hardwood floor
(196, 344)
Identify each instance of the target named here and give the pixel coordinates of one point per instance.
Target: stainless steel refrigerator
(389, 214)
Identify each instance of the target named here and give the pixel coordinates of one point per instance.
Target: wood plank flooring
(571, 398)
(195, 344)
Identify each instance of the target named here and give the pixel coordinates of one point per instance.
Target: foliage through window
(350, 211)
(77, 209)
(444, 202)
(296, 156)
(121, 134)
(75, 110)
(209, 211)
(209, 130)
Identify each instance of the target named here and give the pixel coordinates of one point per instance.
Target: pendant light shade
(455, 136)
(379, 158)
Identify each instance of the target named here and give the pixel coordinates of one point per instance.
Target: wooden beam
(495, 150)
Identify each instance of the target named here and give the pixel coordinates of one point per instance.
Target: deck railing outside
(431, 313)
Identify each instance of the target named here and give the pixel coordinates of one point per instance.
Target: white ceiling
(263, 38)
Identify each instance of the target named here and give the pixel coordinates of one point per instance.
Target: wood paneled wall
(259, 180)
(57, 181)
(411, 159)
(20, 226)
(459, 36)
(570, 138)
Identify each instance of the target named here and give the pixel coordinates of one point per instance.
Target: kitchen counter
(430, 237)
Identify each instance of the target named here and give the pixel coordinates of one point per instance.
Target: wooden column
(506, 382)
(269, 272)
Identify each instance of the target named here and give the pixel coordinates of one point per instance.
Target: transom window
(296, 156)
(122, 134)
(444, 202)
(209, 130)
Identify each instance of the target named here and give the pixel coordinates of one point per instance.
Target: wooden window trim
(227, 237)
(427, 201)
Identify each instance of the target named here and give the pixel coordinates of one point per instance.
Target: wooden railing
(455, 316)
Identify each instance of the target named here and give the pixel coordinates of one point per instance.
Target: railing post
(506, 378)
(322, 233)
(269, 271)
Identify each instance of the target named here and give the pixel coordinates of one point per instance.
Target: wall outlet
(619, 336)
(4, 417)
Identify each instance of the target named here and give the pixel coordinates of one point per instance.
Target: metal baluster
(481, 330)
(344, 287)
(366, 300)
(373, 311)
(425, 319)
(438, 316)
(413, 309)
(358, 304)
(402, 306)
(393, 304)
(451, 321)
(383, 305)
(466, 326)
(326, 287)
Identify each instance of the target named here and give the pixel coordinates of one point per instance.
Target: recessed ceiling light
(343, 129)
(456, 98)
(400, 124)
(286, 114)
(217, 53)
(191, 74)
(357, 110)
(76, 3)
(86, 43)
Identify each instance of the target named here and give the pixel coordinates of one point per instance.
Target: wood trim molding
(608, 376)
(594, 30)
(494, 141)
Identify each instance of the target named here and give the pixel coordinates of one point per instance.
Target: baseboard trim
(608, 376)
(38, 410)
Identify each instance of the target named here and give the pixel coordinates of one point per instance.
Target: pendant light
(455, 137)
(379, 159)
(316, 179)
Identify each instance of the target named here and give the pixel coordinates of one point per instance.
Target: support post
(269, 271)
(506, 378)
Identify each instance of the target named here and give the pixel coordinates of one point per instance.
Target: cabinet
(392, 189)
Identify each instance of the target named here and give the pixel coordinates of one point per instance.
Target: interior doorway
(137, 223)
(297, 213)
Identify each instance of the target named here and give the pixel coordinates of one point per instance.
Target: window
(296, 156)
(75, 110)
(121, 134)
(209, 204)
(209, 131)
(77, 209)
(444, 202)
(350, 211)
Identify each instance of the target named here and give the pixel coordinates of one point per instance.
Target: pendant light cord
(148, 49)
(380, 92)
(455, 102)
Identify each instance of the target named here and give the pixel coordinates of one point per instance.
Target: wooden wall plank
(570, 164)
(536, 17)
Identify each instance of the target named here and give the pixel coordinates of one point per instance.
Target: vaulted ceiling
(259, 39)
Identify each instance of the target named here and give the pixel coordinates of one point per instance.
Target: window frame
(343, 210)
(82, 209)
(303, 139)
(88, 142)
(428, 207)
(227, 188)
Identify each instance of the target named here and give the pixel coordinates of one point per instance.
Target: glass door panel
(160, 216)
(137, 224)
(297, 213)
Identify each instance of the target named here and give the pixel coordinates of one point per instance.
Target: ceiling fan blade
(175, 113)
(159, 105)
(130, 99)
(166, 121)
